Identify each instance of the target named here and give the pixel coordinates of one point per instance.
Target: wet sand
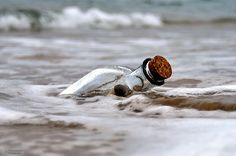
(160, 135)
(28, 140)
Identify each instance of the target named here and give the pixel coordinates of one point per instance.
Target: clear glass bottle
(122, 81)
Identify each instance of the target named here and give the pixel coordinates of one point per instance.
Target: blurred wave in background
(75, 14)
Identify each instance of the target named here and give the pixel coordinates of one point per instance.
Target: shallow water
(36, 16)
(195, 107)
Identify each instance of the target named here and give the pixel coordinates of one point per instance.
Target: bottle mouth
(156, 79)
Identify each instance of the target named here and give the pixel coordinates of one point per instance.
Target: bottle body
(121, 81)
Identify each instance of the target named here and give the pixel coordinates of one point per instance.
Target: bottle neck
(142, 77)
(155, 81)
(139, 73)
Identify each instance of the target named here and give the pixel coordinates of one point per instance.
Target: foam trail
(11, 117)
(14, 117)
(214, 90)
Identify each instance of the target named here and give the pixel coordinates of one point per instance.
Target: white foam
(150, 109)
(8, 116)
(73, 17)
(12, 22)
(30, 104)
(48, 107)
(214, 90)
(11, 117)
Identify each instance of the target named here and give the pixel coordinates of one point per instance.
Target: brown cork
(159, 66)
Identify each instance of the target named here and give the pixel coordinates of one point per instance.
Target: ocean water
(47, 45)
(37, 15)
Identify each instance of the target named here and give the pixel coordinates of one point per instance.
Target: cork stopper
(160, 67)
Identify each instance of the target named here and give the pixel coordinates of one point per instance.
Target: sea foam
(189, 92)
(74, 17)
(12, 22)
(52, 110)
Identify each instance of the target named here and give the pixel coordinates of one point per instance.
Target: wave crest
(73, 17)
(11, 22)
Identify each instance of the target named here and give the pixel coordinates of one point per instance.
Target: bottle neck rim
(157, 80)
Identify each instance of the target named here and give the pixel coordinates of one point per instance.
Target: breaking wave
(74, 17)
